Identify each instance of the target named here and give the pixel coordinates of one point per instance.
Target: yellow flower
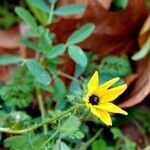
(99, 98)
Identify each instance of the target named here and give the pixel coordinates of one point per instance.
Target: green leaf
(120, 4)
(81, 34)
(70, 10)
(13, 143)
(38, 71)
(38, 142)
(129, 144)
(116, 66)
(75, 87)
(40, 4)
(60, 89)
(29, 44)
(26, 17)
(26, 142)
(143, 52)
(17, 120)
(100, 145)
(70, 128)
(56, 51)
(52, 1)
(39, 14)
(10, 59)
(61, 146)
(77, 54)
(20, 96)
(116, 133)
(78, 70)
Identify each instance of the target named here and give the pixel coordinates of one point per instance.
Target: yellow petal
(94, 81)
(103, 115)
(109, 83)
(111, 108)
(102, 88)
(113, 93)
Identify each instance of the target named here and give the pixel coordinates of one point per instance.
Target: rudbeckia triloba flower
(99, 98)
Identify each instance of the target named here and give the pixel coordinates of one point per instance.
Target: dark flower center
(93, 99)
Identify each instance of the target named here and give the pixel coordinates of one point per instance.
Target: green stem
(88, 143)
(49, 139)
(63, 74)
(51, 14)
(36, 126)
(42, 109)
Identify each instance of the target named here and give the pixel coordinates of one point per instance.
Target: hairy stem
(36, 126)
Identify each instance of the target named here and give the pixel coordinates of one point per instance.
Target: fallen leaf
(9, 39)
(146, 26)
(144, 41)
(144, 33)
(105, 3)
(141, 88)
(130, 78)
(10, 45)
(114, 30)
(132, 132)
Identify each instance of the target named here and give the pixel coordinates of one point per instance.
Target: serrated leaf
(61, 146)
(116, 66)
(16, 120)
(26, 17)
(72, 123)
(143, 52)
(13, 143)
(10, 59)
(38, 71)
(77, 54)
(70, 128)
(38, 141)
(40, 4)
(70, 10)
(26, 142)
(20, 96)
(56, 51)
(76, 134)
(81, 34)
